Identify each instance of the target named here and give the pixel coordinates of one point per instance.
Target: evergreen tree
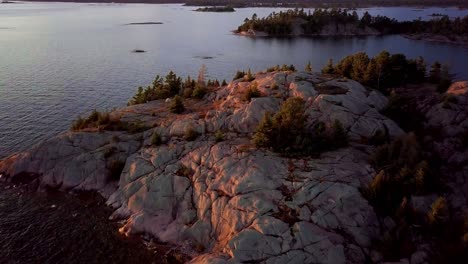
(435, 72)
(177, 105)
(308, 67)
(329, 69)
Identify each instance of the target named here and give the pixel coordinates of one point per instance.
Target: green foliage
(283, 67)
(439, 212)
(382, 71)
(249, 77)
(156, 139)
(281, 23)
(177, 105)
(404, 112)
(308, 67)
(219, 136)
(403, 172)
(339, 136)
(95, 120)
(264, 135)
(190, 134)
(160, 89)
(329, 69)
(239, 74)
(199, 91)
(184, 171)
(285, 132)
(216, 9)
(252, 92)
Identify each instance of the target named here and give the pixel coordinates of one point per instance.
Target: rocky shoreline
(331, 30)
(217, 199)
(456, 40)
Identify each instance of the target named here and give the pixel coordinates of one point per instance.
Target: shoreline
(245, 6)
(437, 39)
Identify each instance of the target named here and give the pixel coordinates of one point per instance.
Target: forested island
(326, 3)
(344, 22)
(219, 9)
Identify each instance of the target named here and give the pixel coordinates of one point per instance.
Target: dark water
(60, 228)
(60, 60)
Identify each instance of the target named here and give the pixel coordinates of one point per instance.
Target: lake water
(61, 60)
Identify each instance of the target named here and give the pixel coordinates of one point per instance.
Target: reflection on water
(58, 60)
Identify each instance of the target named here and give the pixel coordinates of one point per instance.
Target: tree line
(281, 23)
(325, 3)
(387, 70)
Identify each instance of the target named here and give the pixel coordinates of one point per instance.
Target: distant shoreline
(461, 6)
(438, 38)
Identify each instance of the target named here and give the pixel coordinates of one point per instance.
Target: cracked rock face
(228, 202)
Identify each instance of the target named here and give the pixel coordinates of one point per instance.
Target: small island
(343, 22)
(218, 9)
(144, 23)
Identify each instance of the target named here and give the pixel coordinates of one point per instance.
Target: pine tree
(435, 73)
(329, 69)
(308, 67)
(177, 105)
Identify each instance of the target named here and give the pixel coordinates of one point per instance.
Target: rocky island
(218, 9)
(343, 22)
(281, 166)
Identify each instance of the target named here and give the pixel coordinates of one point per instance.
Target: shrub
(156, 139)
(288, 68)
(404, 151)
(263, 136)
(308, 67)
(329, 69)
(439, 212)
(252, 92)
(249, 77)
(404, 112)
(339, 136)
(103, 121)
(95, 120)
(184, 171)
(161, 88)
(403, 172)
(219, 136)
(177, 105)
(199, 92)
(285, 132)
(190, 134)
(239, 74)
(274, 68)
